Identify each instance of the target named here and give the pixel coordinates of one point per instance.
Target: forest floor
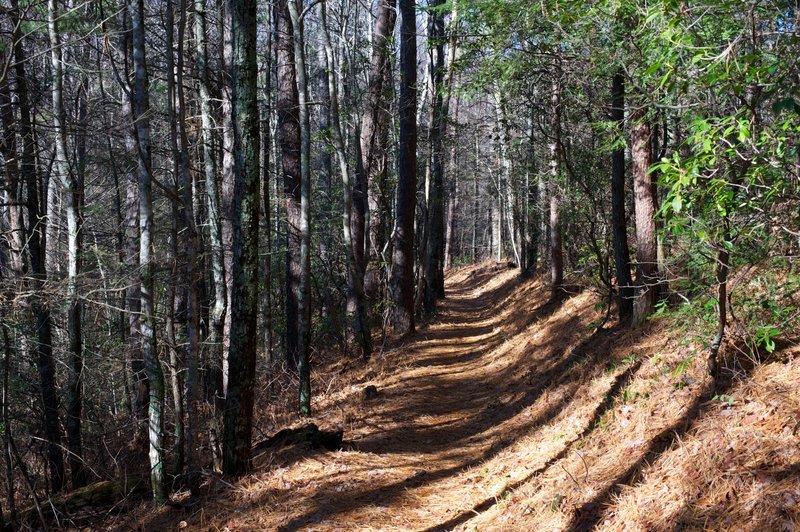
(509, 411)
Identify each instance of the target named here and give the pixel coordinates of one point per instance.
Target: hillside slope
(509, 411)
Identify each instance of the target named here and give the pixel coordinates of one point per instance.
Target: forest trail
(508, 411)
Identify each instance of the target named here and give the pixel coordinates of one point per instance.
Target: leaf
(677, 204)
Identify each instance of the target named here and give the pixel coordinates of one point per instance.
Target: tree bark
(434, 275)
(644, 190)
(37, 247)
(374, 144)
(289, 126)
(619, 226)
(402, 279)
(239, 400)
(72, 193)
(214, 222)
(556, 248)
(155, 375)
(304, 285)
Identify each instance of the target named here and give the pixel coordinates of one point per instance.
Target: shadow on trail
(620, 383)
(589, 514)
(565, 375)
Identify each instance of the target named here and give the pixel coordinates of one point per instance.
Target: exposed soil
(511, 411)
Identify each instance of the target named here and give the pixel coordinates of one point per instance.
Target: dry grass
(509, 412)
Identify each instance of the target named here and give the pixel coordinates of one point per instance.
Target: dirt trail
(508, 411)
(450, 408)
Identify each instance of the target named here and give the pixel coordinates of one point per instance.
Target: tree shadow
(587, 516)
(621, 381)
(565, 375)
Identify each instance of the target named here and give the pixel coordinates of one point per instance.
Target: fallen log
(103, 494)
(307, 434)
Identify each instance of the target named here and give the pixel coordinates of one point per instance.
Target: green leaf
(677, 204)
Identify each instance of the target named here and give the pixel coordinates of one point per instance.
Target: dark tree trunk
(374, 140)
(619, 227)
(37, 246)
(402, 282)
(239, 400)
(434, 276)
(289, 127)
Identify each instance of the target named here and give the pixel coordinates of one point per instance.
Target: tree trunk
(266, 145)
(239, 400)
(141, 110)
(214, 222)
(227, 184)
(72, 194)
(37, 247)
(289, 126)
(190, 262)
(619, 226)
(644, 190)
(304, 285)
(402, 282)
(7, 452)
(374, 143)
(140, 384)
(532, 219)
(556, 251)
(435, 231)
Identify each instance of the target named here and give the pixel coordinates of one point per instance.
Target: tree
(644, 190)
(37, 249)
(434, 267)
(72, 206)
(289, 127)
(356, 304)
(402, 278)
(239, 398)
(556, 249)
(155, 376)
(619, 224)
(304, 284)
(374, 142)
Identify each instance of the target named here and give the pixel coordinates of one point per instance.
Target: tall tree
(239, 399)
(155, 376)
(374, 142)
(289, 127)
(304, 284)
(434, 276)
(618, 220)
(72, 195)
(214, 222)
(556, 248)
(37, 250)
(402, 281)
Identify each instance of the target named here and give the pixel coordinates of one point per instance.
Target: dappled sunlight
(512, 411)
